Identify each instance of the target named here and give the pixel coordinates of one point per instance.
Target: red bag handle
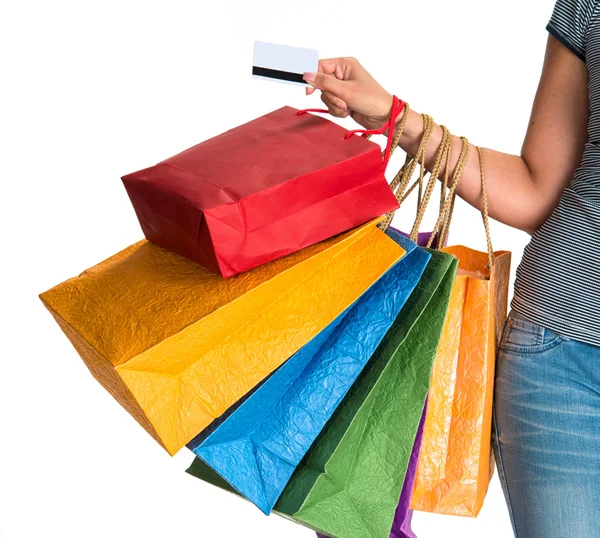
(320, 110)
(397, 108)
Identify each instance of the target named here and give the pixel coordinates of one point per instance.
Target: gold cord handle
(485, 213)
(401, 190)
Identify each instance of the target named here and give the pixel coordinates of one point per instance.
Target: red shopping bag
(263, 190)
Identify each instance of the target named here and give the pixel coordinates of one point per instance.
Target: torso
(558, 281)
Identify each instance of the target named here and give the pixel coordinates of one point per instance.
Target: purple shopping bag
(402, 519)
(423, 238)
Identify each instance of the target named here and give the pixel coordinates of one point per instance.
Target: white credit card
(282, 63)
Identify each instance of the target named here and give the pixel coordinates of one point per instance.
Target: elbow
(539, 208)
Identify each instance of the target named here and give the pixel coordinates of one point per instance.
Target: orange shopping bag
(455, 463)
(177, 345)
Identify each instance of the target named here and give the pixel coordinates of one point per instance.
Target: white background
(93, 90)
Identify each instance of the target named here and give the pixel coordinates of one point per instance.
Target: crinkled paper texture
(401, 527)
(177, 345)
(349, 483)
(455, 461)
(257, 448)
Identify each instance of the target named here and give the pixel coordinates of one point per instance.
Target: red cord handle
(397, 108)
(321, 110)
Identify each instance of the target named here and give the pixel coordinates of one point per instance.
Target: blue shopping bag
(259, 444)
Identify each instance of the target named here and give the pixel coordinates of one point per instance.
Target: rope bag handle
(399, 184)
(447, 202)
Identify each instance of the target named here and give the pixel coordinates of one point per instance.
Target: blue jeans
(547, 431)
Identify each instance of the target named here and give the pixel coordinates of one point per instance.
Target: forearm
(513, 195)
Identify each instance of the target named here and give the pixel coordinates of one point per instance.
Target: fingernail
(309, 77)
(342, 105)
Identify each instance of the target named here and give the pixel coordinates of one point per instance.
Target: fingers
(326, 82)
(331, 100)
(330, 78)
(336, 106)
(341, 68)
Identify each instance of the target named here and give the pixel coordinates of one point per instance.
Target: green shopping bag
(349, 483)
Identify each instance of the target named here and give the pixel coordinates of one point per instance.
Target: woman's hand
(347, 89)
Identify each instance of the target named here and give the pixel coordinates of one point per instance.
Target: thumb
(327, 83)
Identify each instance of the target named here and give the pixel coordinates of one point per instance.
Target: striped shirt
(558, 281)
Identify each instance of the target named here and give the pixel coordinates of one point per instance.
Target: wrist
(413, 128)
(386, 118)
(382, 111)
